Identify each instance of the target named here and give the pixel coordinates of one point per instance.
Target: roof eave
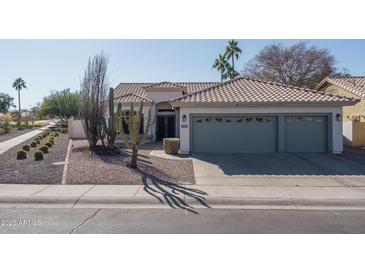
(257, 104)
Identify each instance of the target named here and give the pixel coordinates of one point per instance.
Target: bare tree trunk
(134, 156)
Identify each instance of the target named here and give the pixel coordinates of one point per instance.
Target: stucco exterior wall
(348, 111)
(336, 126)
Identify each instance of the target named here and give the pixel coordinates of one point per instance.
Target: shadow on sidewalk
(173, 194)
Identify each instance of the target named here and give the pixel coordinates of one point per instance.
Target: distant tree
(230, 72)
(220, 64)
(298, 65)
(93, 91)
(5, 120)
(233, 51)
(62, 104)
(344, 73)
(6, 101)
(18, 85)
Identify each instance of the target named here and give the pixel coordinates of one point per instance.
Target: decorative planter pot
(171, 145)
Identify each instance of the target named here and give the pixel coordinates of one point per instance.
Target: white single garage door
(234, 134)
(306, 133)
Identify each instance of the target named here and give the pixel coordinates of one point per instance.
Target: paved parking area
(279, 169)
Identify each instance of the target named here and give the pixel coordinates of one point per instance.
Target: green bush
(26, 147)
(51, 141)
(37, 141)
(38, 155)
(21, 154)
(44, 149)
(49, 144)
(40, 124)
(21, 127)
(33, 144)
(64, 130)
(44, 135)
(40, 137)
(55, 134)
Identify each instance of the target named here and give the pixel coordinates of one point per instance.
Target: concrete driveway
(287, 169)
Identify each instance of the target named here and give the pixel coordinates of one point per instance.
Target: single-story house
(242, 115)
(353, 115)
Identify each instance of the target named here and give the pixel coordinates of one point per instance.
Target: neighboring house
(354, 115)
(242, 115)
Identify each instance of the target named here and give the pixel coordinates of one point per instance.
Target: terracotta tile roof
(164, 84)
(355, 85)
(253, 91)
(131, 98)
(138, 89)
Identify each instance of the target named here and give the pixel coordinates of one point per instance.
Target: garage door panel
(234, 134)
(306, 133)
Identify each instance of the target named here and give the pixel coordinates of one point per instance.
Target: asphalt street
(76, 220)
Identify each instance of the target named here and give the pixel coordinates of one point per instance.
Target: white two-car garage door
(259, 134)
(235, 134)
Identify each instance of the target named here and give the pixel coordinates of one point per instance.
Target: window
(207, 120)
(199, 121)
(249, 119)
(239, 120)
(228, 120)
(259, 119)
(219, 119)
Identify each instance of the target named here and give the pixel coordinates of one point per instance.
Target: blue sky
(57, 64)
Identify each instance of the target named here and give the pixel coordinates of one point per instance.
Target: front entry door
(165, 127)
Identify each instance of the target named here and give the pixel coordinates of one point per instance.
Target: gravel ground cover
(28, 171)
(85, 168)
(14, 132)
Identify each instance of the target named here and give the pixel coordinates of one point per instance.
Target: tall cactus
(110, 128)
(133, 121)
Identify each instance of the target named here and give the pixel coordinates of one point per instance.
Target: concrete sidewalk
(182, 196)
(6, 145)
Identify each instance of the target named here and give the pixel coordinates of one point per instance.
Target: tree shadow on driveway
(171, 193)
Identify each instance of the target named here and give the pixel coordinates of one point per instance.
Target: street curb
(146, 202)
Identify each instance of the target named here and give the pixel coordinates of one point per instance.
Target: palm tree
(233, 51)
(221, 64)
(231, 72)
(18, 85)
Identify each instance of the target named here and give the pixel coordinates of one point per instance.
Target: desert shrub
(44, 149)
(44, 135)
(33, 144)
(37, 140)
(26, 147)
(48, 144)
(21, 154)
(55, 134)
(40, 137)
(64, 130)
(51, 141)
(38, 155)
(40, 124)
